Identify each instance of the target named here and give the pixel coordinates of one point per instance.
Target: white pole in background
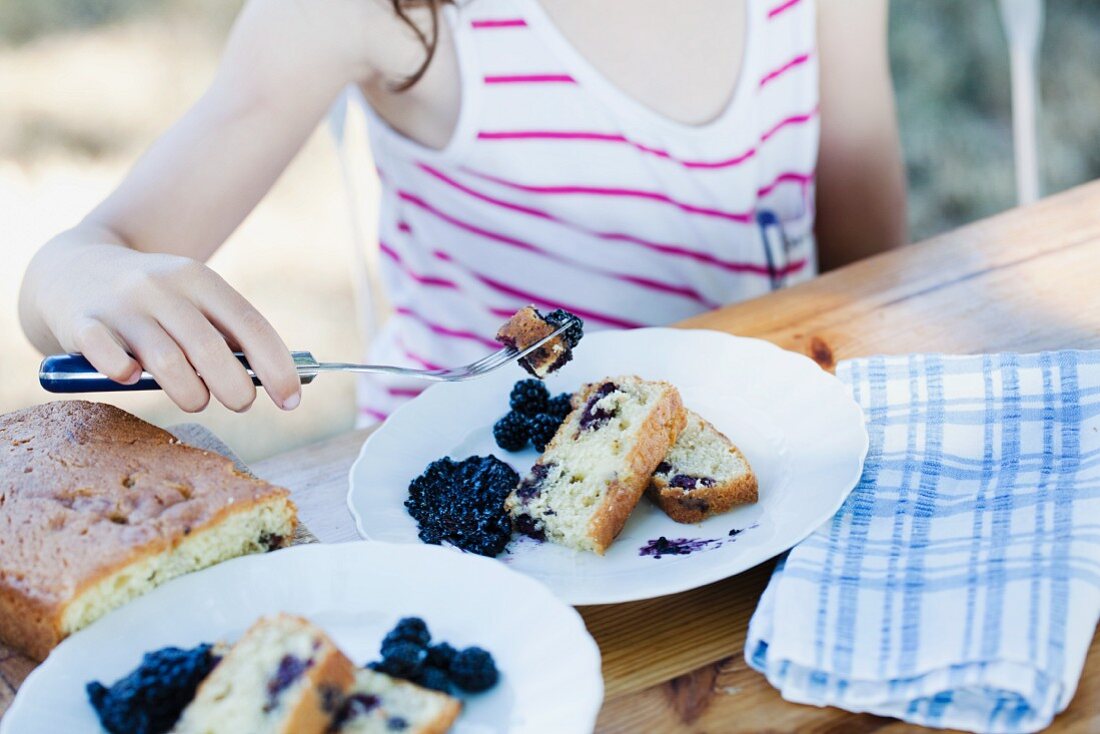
(1023, 23)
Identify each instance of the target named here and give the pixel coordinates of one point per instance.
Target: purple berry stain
(663, 546)
(290, 669)
(594, 417)
(737, 531)
(526, 525)
(683, 481)
(531, 485)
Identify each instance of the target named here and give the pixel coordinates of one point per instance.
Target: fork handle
(73, 373)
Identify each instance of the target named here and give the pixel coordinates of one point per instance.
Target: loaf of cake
(98, 507)
(703, 474)
(585, 485)
(380, 704)
(527, 326)
(284, 676)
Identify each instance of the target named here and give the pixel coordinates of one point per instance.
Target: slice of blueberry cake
(284, 676)
(588, 481)
(528, 326)
(703, 474)
(380, 704)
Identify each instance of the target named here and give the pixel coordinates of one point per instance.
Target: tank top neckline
(535, 16)
(598, 83)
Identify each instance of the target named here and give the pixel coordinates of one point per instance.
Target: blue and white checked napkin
(959, 585)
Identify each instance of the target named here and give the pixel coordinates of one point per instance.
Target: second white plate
(355, 592)
(800, 430)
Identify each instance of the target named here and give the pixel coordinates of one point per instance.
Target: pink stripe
(781, 7)
(793, 120)
(505, 313)
(530, 79)
(618, 138)
(528, 247)
(377, 414)
(446, 330)
(790, 177)
(499, 23)
(417, 358)
(742, 217)
(422, 279)
(664, 249)
(796, 61)
(550, 135)
(528, 297)
(405, 392)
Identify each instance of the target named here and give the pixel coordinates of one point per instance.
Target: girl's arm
(129, 279)
(860, 176)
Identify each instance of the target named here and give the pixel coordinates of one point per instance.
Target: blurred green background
(85, 85)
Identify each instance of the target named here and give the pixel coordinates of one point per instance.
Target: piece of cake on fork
(704, 474)
(588, 481)
(527, 326)
(284, 676)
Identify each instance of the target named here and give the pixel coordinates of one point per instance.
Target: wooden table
(1022, 281)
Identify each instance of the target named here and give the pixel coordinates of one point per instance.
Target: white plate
(355, 592)
(800, 430)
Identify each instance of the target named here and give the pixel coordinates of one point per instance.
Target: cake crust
(693, 505)
(88, 491)
(659, 431)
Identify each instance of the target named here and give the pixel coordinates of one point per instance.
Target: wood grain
(1022, 281)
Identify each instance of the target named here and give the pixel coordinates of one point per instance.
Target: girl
(632, 161)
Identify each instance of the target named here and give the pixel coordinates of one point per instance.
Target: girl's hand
(126, 286)
(125, 310)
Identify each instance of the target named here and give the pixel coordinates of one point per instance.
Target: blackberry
(407, 629)
(462, 503)
(435, 678)
(560, 405)
(150, 699)
(542, 428)
(529, 397)
(441, 655)
(511, 432)
(573, 334)
(403, 660)
(473, 670)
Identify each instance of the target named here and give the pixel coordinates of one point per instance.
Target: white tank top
(559, 190)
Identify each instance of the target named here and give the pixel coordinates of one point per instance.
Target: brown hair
(428, 40)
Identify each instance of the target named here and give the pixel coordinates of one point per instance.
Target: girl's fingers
(206, 350)
(268, 356)
(100, 347)
(162, 357)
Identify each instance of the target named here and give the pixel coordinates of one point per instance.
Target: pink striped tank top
(559, 190)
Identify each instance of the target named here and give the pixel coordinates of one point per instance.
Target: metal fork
(72, 373)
